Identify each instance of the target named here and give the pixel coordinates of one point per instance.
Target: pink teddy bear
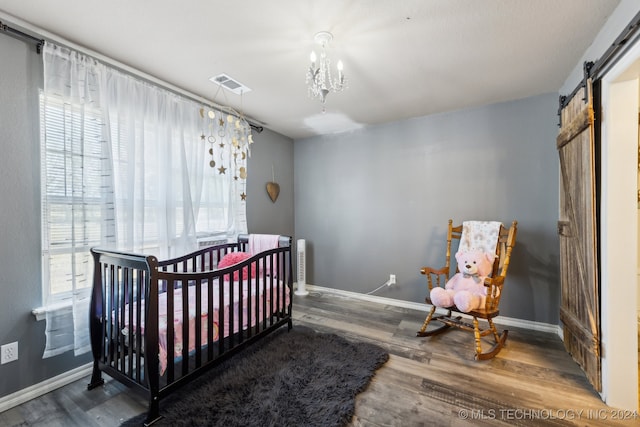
(466, 288)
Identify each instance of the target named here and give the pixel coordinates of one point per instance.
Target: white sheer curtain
(124, 165)
(72, 156)
(158, 166)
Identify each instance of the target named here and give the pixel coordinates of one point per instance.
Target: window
(74, 207)
(80, 198)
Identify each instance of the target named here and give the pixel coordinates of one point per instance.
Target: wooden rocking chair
(503, 240)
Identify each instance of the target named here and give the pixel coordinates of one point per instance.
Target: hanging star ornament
(231, 132)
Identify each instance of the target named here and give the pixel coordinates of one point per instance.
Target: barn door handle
(564, 228)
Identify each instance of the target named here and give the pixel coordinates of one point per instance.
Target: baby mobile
(229, 139)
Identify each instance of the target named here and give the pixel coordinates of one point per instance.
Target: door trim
(619, 232)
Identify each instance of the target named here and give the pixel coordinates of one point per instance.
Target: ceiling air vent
(230, 84)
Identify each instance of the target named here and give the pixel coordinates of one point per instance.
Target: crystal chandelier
(319, 78)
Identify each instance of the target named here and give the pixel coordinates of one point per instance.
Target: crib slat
(249, 302)
(210, 320)
(232, 318)
(108, 273)
(185, 327)
(170, 333)
(116, 330)
(198, 323)
(262, 302)
(241, 302)
(129, 302)
(274, 284)
(138, 345)
(221, 315)
(122, 348)
(117, 309)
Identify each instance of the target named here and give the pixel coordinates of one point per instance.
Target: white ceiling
(403, 58)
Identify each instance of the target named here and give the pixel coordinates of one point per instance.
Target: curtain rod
(21, 35)
(40, 42)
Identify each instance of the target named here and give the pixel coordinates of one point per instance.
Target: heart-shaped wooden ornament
(273, 189)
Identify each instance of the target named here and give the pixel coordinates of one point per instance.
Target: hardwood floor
(426, 382)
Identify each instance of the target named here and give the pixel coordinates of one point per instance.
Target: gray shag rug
(290, 378)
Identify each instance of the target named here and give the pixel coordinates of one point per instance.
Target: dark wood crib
(215, 313)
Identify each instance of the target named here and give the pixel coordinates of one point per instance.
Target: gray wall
(271, 155)
(376, 201)
(20, 262)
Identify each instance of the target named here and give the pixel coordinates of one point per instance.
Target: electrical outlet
(8, 353)
(392, 279)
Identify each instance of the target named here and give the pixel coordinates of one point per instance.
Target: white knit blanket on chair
(480, 235)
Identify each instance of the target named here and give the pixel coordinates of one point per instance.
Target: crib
(215, 312)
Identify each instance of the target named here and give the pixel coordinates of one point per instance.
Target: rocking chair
(492, 237)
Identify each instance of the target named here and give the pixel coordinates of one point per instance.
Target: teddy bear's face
(468, 265)
(474, 262)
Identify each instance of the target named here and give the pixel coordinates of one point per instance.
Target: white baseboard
(502, 320)
(37, 390)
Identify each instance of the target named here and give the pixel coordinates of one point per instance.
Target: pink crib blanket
(272, 305)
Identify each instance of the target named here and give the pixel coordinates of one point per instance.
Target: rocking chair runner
(504, 242)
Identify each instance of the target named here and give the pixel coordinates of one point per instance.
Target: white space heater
(302, 268)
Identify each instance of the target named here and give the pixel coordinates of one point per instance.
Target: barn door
(580, 305)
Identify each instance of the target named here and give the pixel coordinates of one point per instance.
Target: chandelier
(319, 78)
